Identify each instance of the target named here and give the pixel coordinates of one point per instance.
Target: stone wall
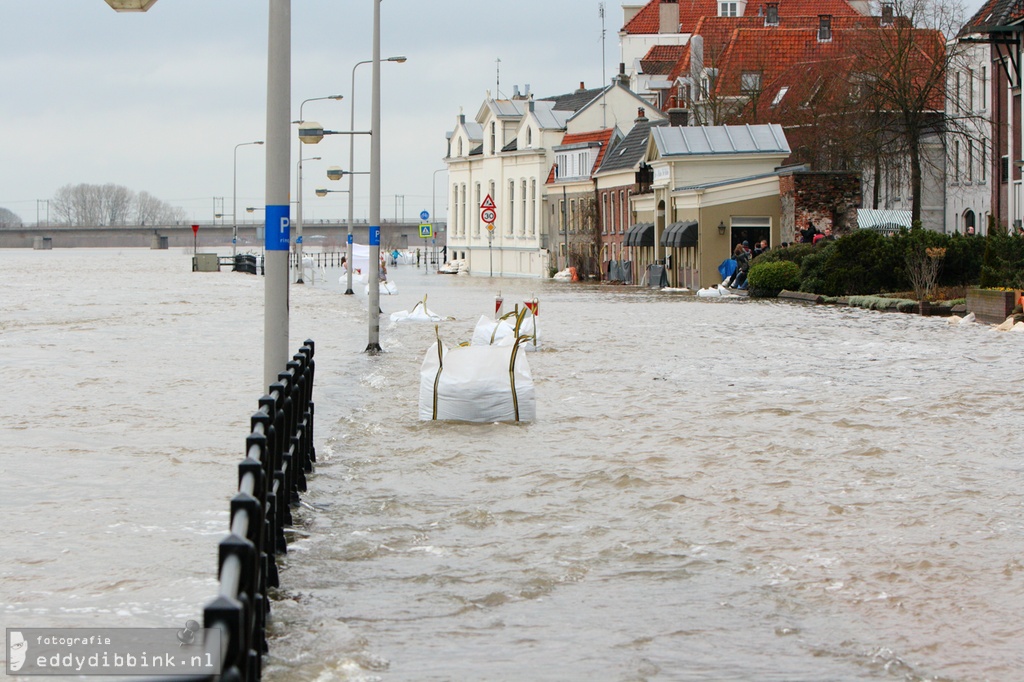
(822, 199)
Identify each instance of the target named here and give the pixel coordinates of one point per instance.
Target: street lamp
(433, 208)
(279, 85)
(234, 197)
(298, 207)
(298, 211)
(130, 5)
(351, 160)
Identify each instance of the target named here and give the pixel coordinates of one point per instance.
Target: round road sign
(488, 215)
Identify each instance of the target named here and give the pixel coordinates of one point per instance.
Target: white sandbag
(419, 313)
(490, 332)
(474, 384)
(506, 329)
(387, 288)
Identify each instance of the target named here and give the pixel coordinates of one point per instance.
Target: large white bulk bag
(419, 313)
(506, 329)
(476, 384)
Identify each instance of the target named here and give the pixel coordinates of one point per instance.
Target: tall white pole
(234, 199)
(298, 217)
(373, 344)
(351, 179)
(277, 233)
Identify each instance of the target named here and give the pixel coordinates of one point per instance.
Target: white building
(508, 153)
(969, 140)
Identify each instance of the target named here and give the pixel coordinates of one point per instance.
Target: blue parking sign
(277, 235)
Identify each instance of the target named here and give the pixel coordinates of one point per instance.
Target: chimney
(678, 117)
(668, 16)
(622, 77)
(887, 14)
(581, 87)
(641, 115)
(515, 92)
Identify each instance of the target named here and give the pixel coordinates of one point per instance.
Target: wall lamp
(721, 227)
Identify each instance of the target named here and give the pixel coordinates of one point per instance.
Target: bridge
(327, 235)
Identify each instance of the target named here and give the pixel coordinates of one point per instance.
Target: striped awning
(879, 219)
(641, 234)
(680, 235)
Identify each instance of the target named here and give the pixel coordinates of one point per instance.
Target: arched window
(969, 220)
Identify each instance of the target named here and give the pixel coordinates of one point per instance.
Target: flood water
(712, 490)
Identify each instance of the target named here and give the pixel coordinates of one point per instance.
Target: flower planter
(991, 305)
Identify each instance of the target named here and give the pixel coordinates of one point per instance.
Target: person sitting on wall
(807, 234)
(742, 258)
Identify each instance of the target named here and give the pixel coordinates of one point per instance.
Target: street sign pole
(490, 239)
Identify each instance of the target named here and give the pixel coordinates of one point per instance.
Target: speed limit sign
(488, 215)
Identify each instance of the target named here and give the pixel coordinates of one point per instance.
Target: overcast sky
(157, 101)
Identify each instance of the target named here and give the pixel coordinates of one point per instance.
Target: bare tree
(904, 65)
(111, 204)
(8, 219)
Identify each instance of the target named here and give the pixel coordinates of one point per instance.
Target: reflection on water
(713, 490)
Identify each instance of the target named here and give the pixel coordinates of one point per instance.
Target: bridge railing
(279, 453)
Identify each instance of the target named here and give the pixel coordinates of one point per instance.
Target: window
(460, 146)
(533, 207)
(984, 163)
(1004, 169)
(779, 95)
(511, 206)
(529, 136)
(982, 88)
(494, 138)
(825, 28)
(477, 201)
(750, 82)
(970, 89)
(956, 161)
(970, 160)
(771, 18)
(604, 213)
(727, 9)
(522, 214)
(957, 100)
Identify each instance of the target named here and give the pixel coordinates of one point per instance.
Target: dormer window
(771, 17)
(825, 28)
(750, 82)
(728, 9)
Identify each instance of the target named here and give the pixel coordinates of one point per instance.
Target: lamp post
(433, 208)
(351, 162)
(298, 210)
(277, 235)
(234, 198)
(373, 307)
(298, 206)
(279, 65)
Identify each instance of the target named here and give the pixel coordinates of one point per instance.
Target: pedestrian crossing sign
(427, 230)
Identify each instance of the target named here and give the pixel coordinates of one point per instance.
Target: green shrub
(767, 279)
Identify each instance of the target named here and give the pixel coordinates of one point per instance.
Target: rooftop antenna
(604, 102)
(600, 12)
(497, 76)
